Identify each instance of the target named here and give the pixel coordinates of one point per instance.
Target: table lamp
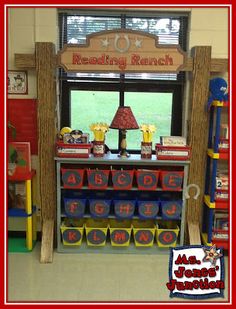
(124, 120)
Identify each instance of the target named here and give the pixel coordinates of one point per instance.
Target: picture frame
(17, 82)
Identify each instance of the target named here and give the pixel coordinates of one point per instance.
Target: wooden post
(198, 134)
(45, 67)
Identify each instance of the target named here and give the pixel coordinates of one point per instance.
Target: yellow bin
(96, 232)
(72, 231)
(120, 231)
(143, 232)
(167, 234)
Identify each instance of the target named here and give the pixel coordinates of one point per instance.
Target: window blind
(75, 27)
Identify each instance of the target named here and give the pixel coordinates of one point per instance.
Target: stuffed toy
(218, 87)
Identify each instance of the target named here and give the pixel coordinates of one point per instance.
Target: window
(155, 98)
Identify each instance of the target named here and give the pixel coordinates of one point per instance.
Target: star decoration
(138, 43)
(211, 255)
(105, 42)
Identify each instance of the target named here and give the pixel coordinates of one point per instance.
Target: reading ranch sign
(121, 51)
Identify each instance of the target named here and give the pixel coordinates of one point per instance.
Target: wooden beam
(47, 241)
(194, 233)
(198, 128)
(27, 61)
(219, 65)
(46, 88)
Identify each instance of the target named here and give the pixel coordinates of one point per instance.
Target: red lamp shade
(124, 119)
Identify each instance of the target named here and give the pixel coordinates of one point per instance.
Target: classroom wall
(207, 26)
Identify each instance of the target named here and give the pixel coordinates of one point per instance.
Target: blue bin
(74, 207)
(171, 210)
(148, 209)
(99, 208)
(124, 209)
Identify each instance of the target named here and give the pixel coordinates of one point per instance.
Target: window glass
(149, 108)
(89, 107)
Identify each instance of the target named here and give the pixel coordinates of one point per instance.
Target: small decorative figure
(64, 130)
(75, 137)
(218, 87)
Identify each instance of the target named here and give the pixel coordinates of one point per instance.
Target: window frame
(124, 85)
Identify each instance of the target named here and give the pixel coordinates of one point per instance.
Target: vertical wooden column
(198, 133)
(45, 55)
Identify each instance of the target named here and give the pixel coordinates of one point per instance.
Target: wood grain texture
(194, 233)
(46, 139)
(198, 128)
(47, 241)
(25, 61)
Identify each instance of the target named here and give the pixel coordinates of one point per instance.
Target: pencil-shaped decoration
(99, 130)
(148, 130)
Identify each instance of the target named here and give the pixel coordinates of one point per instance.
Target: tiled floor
(90, 277)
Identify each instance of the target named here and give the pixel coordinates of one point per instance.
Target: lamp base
(123, 154)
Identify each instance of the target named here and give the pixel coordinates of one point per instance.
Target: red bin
(122, 179)
(72, 178)
(98, 179)
(172, 180)
(147, 179)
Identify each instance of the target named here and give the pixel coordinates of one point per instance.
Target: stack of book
(220, 226)
(172, 148)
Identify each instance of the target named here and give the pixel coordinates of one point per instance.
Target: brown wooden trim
(46, 255)
(25, 61)
(194, 233)
(219, 65)
(46, 89)
(198, 128)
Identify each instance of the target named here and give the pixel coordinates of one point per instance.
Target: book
(224, 131)
(172, 152)
(221, 195)
(16, 195)
(19, 159)
(173, 141)
(220, 226)
(73, 150)
(222, 181)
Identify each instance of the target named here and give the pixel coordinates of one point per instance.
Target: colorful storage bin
(143, 232)
(99, 208)
(124, 209)
(148, 209)
(123, 179)
(74, 207)
(72, 232)
(96, 231)
(120, 231)
(167, 234)
(172, 180)
(98, 179)
(171, 210)
(72, 178)
(147, 179)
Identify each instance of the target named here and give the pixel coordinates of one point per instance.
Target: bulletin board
(22, 114)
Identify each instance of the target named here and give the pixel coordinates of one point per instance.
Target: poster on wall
(17, 82)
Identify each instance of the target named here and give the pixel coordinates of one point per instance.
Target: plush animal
(218, 87)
